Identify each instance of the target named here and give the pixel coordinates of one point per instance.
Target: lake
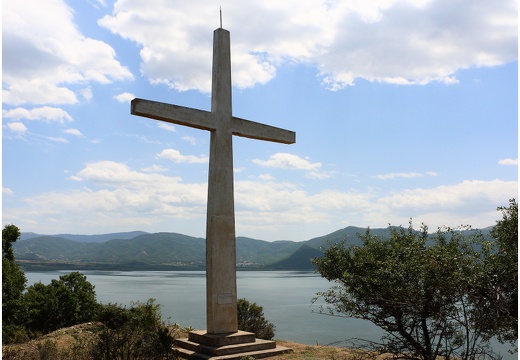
(284, 295)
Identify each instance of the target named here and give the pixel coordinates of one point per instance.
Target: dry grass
(321, 352)
(63, 344)
(74, 342)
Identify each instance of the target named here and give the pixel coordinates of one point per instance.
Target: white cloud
(17, 127)
(45, 113)
(44, 55)
(109, 172)
(452, 196)
(508, 162)
(113, 195)
(154, 169)
(320, 174)
(125, 97)
(190, 139)
(391, 41)
(348, 202)
(471, 202)
(269, 196)
(74, 132)
(102, 3)
(167, 127)
(288, 161)
(57, 139)
(176, 156)
(408, 175)
(7, 192)
(266, 177)
(116, 197)
(86, 94)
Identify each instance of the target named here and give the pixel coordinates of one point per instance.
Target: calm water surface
(284, 295)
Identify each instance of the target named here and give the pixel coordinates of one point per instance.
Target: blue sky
(402, 109)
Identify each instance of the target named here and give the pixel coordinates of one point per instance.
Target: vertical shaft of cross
(221, 290)
(221, 284)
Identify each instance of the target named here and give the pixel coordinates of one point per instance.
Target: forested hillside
(161, 251)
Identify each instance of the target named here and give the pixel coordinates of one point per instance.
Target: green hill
(299, 260)
(161, 251)
(87, 238)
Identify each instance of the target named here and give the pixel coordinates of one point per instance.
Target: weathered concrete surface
(200, 345)
(221, 291)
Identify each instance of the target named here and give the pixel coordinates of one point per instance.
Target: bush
(71, 300)
(134, 333)
(251, 318)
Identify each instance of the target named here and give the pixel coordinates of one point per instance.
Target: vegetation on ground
(251, 318)
(68, 301)
(435, 295)
(119, 333)
(443, 295)
(13, 286)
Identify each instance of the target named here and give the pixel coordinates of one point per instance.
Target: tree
(413, 286)
(65, 302)
(77, 298)
(497, 287)
(251, 318)
(13, 285)
(43, 310)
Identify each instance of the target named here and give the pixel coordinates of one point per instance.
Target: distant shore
(37, 266)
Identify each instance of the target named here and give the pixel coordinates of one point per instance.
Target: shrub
(134, 333)
(251, 318)
(71, 300)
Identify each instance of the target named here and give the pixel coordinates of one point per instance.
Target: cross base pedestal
(201, 345)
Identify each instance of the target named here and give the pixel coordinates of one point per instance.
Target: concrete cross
(221, 292)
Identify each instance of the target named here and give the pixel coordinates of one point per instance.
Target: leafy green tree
(135, 333)
(42, 309)
(251, 318)
(413, 286)
(13, 285)
(77, 298)
(65, 302)
(10, 234)
(497, 287)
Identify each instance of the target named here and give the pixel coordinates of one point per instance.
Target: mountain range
(138, 250)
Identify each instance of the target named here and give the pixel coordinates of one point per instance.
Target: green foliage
(77, 297)
(414, 286)
(497, 288)
(13, 285)
(134, 333)
(251, 318)
(65, 302)
(10, 233)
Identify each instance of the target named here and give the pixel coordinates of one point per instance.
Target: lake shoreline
(284, 295)
(49, 266)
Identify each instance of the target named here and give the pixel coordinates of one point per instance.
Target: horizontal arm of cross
(174, 114)
(254, 130)
(204, 120)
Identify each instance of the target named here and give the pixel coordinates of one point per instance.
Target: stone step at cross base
(201, 345)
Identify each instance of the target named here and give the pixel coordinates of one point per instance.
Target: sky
(403, 109)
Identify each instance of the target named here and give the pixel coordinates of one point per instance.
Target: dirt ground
(71, 343)
(318, 352)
